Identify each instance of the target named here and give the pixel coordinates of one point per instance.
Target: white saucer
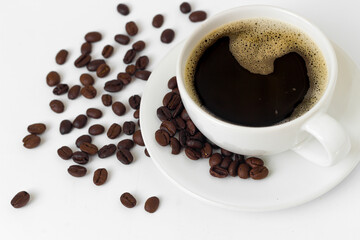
(292, 180)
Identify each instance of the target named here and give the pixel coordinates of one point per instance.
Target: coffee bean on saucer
(94, 64)
(123, 9)
(65, 152)
(106, 100)
(80, 157)
(169, 127)
(86, 48)
(20, 199)
(31, 141)
(175, 146)
(233, 168)
(114, 131)
(192, 153)
(136, 114)
(183, 136)
(190, 127)
(206, 151)
(61, 89)
(197, 16)
(219, 172)
(130, 69)
(179, 123)
(52, 79)
(163, 113)
(199, 137)
(126, 143)
(100, 176)
(124, 156)
(93, 37)
(82, 139)
(244, 171)
(88, 92)
(89, 148)
(215, 159)
(258, 173)
(172, 83)
(107, 151)
(185, 7)
(146, 152)
(107, 51)
(152, 204)
(134, 101)
(74, 92)
(240, 158)
(171, 100)
(128, 200)
(36, 128)
(57, 106)
(103, 70)
(158, 21)
(226, 153)
(118, 108)
(138, 139)
(254, 162)
(176, 90)
(162, 137)
(113, 86)
(80, 121)
(77, 171)
(177, 111)
(184, 115)
(129, 56)
(125, 78)
(139, 46)
(82, 60)
(131, 28)
(61, 56)
(225, 163)
(65, 127)
(143, 74)
(142, 62)
(129, 127)
(94, 113)
(122, 39)
(96, 129)
(86, 79)
(167, 36)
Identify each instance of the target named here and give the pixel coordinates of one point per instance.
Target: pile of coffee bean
(178, 131)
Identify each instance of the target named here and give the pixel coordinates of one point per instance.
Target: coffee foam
(256, 43)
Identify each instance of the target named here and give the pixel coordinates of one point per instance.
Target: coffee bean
(198, 136)
(215, 159)
(77, 171)
(82, 61)
(240, 158)
(94, 65)
(96, 129)
(122, 39)
(103, 70)
(61, 89)
(126, 143)
(190, 127)
(129, 56)
(65, 127)
(254, 162)
(136, 114)
(93, 37)
(100, 176)
(226, 153)
(36, 128)
(184, 115)
(258, 173)
(146, 152)
(31, 141)
(65, 152)
(82, 139)
(244, 171)
(129, 127)
(94, 113)
(80, 157)
(158, 21)
(175, 146)
(114, 131)
(172, 83)
(206, 151)
(171, 100)
(219, 172)
(197, 16)
(163, 113)
(138, 139)
(185, 7)
(143, 74)
(125, 78)
(80, 121)
(226, 162)
(57, 106)
(179, 123)
(128, 200)
(233, 168)
(152, 204)
(176, 90)
(20, 199)
(107, 51)
(131, 28)
(113, 86)
(139, 46)
(88, 92)
(192, 153)
(131, 69)
(124, 156)
(52, 79)
(123, 9)
(106, 100)
(86, 79)
(134, 101)
(61, 57)
(86, 48)
(178, 110)
(118, 108)
(183, 135)
(167, 36)
(107, 151)
(89, 148)
(74, 92)
(142, 62)
(162, 137)
(169, 127)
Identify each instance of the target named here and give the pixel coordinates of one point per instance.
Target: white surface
(31, 33)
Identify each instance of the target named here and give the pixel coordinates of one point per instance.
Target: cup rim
(332, 72)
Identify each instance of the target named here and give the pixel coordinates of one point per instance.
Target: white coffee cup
(302, 134)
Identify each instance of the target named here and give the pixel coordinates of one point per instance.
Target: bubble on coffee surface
(256, 44)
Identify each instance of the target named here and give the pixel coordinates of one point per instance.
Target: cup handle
(330, 134)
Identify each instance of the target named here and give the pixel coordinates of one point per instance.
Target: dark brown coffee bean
(219, 172)
(128, 200)
(94, 65)
(198, 136)
(254, 162)
(226, 153)
(106, 100)
(163, 113)
(20, 199)
(192, 153)
(130, 69)
(36, 128)
(172, 83)
(233, 168)
(152, 204)
(138, 139)
(107, 151)
(93, 37)
(123, 9)
(175, 146)
(179, 123)
(240, 158)
(125, 78)
(183, 135)
(94, 113)
(80, 157)
(139, 46)
(215, 159)
(65, 152)
(107, 51)
(86, 79)
(77, 171)
(31, 141)
(100, 176)
(129, 56)
(143, 74)
(206, 151)
(162, 137)
(258, 173)
(103, 70)
(194, 144)
(175, 90)
(118, 108)
(134, 101)
(114, 131)
(124, 156)
(74, 92)
(226, 162)
(131, 28)
(96, 129)
(190, 127)
(169, 127)
(185, 7)
(65, 127)
(57, 106)
(178, 110)
(52, 79)
(89, 148)
(146, 152)
(184, 115)
(244, 171)
(113, 86)
(80, 121)
(61, 89)
(167, 36)
(136, 114)
(171, 100)
(82, 61)
(197, 16)
(88, 92)
(122, 39)
(86, 48)
(61, 57)
(129, 127)
(142, 62)
(126, 143)
(158, 21)
(82, 139)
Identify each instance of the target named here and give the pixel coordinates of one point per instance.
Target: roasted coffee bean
(244, 171)
(103, 70)
(183, 135)
(100, 176)
(131, 69)
(134, 101)
(77, 171)
(258, 173)
(113, 86)
(89, 148)
(126, 143)
(142, 62)
(123, 9)
(93, 37)
(240, 158)
(82, 61)
(197, 16)
(20, 199)
(139, 46)
(138, 139)
(36, 128)
(65, 127)
(226, 153)
(167, 36)
(177, 111)
(129, 127)
(82, 139)
(146, 152)
(162, 137)
(215, 159)
(86, 79)
(114, 131)
(80, 121)
(225, 163)
(88, 92)
(96, 129)
(175, 146)
(192, 153)
(171, 100)
(31, 141)
(136, 114)
(107, 151)
(172, 83)
(124, 156)
(122, 39)
(118, 108)
(80, 157)
(94, 113)
(158, 21)
(219, 172)
(179, 123)
(184, 115)
(163, 113)
(61, 57)
(131, 28)
(206, 151)
(86, 48)
(233, 168)
(190, 127)
(65, 152)
(57, 106)
(185, 7)
(106, 100)
(175, 90)
(254, 162)
(151, 204)
(198, 136)
(74, 92)
(61, 89)
(125, 78)
(94, 65)
(129, 56)
(107, 51)
(128, 200)
(194, 144)
(143, 74)
(52, 79)
(169, 127)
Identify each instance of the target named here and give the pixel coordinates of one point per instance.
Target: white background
(62, 207)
